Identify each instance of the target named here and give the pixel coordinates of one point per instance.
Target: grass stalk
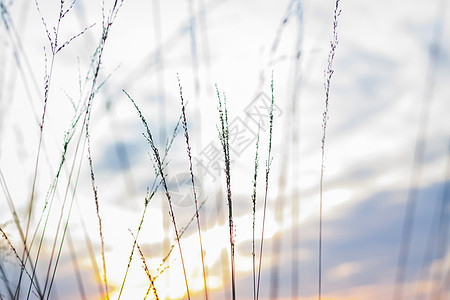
(47, 82)
(255, 176)
(65, 228)
(156, 184)
(268, 163)
(188, 146)
(107, 23)
(97, 208)
(224, 139)
(327, 85)
(55, 48)
(159, 165)
(51, 195)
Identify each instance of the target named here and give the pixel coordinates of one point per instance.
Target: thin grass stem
(188, 146)
(268, 163)
(224, 139)
(255, 176)
(327, 85)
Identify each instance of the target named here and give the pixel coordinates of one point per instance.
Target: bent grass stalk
(186, 135)
(159, 164)
(156, 184)
(268, 163)
(327, 74)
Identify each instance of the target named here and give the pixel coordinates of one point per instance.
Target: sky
(386, 155)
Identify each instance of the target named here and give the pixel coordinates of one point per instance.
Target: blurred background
(386, 177)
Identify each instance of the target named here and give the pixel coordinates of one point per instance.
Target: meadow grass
(55, 48)
(81, 122)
